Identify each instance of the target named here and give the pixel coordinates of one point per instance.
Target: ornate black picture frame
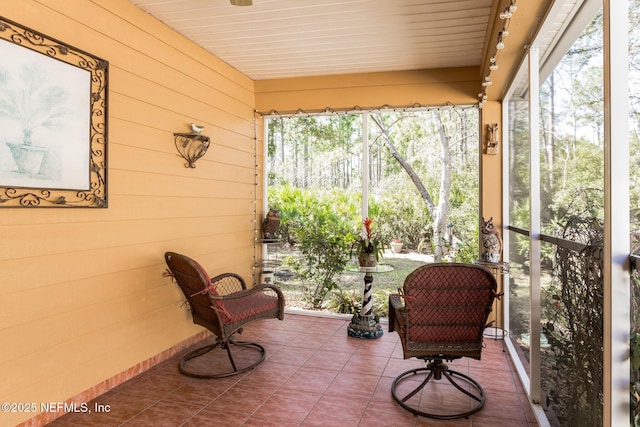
(53, 122)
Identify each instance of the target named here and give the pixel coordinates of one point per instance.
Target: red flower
(367, 226)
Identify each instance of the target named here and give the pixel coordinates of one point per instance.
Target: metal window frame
(617, 266)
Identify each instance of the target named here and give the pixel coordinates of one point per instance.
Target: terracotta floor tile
(503, 405)
(310, 379)
(397, 366)
(308, 340)
(494, 379)
(219, 419)
(329, 360)
(242, 399)
(292, 356)
(389, 413)
(262, 422)
(335, 410)
(288, 405)
(378, 347)
(156, 386)
(269, 375)
(314, 375)
(196, 394)
(382, 392)
(365, 364)
(342, 343)
(353, 384)
(163, 414)
(460, 422)
(497, 422)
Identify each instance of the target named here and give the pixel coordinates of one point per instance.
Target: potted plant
(396, 246)
(368, 246)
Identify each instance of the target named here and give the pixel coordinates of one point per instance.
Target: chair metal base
(227, 346)
(435, 370)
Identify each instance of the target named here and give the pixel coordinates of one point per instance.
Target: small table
(364, 324)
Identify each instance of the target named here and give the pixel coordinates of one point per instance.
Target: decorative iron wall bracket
(191, 146)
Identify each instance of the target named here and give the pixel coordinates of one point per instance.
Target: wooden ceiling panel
(294, 38)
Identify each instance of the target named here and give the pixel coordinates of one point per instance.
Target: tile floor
(314, 375)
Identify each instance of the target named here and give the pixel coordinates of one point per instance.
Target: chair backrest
(448, 302)
(194, 282)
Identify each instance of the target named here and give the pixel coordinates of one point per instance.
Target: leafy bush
(402, 214)
(574, 326)
(319, 223)
(345, 302)
(380, 306)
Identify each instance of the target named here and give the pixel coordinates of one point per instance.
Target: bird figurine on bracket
(196, 129)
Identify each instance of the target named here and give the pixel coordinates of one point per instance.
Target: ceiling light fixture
(242, 2)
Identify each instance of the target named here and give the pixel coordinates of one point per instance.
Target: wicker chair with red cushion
(440, 315)
(223, 304)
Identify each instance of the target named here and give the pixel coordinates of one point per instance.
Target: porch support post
(365, 165)
(617, 295)
(534, 225)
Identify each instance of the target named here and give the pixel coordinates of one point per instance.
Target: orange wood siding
(82, 297)
(371, 90)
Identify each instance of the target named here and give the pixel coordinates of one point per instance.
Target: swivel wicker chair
(223, 304)
(440, 315)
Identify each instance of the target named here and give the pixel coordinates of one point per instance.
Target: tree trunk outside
(440, 217)
(406, 166)
(439, 213)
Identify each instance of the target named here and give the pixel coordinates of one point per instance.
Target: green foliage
(345, 302)
(318, 223)
(402, 213)
(367, 241)
(380, 299)
(326, 255)
(466, 252)
(573, 325)
(314, 167)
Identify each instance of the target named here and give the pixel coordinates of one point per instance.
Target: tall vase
(367, 259)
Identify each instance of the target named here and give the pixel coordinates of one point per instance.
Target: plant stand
(364, 324)
(496, 332)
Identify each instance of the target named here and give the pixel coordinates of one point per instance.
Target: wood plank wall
(82, 297)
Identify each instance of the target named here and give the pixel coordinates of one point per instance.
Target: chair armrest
(231, 301)
(228, 283)
(244, 292)
(396, 312)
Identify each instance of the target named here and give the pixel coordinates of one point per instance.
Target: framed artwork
(53, 122)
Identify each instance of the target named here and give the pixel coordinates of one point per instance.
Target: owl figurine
(491, 242)
(270, 224)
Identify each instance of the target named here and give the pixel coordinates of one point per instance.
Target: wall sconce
(492, 142)
(191, 146)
